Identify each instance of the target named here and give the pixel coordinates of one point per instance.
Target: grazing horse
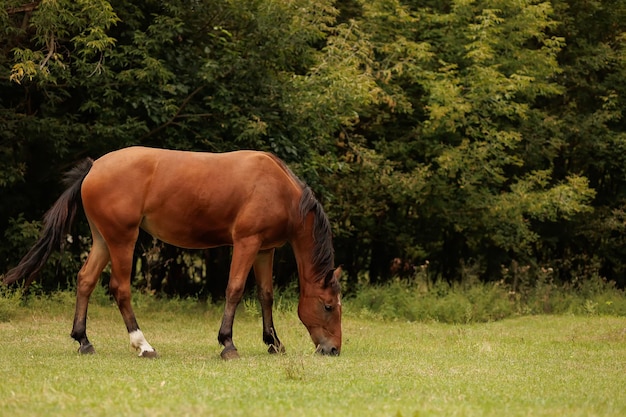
(250, 200)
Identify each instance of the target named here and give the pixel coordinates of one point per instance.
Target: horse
(249, 200)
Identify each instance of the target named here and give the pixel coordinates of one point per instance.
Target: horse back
(192, 199)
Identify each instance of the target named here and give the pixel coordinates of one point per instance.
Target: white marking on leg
(139, 342)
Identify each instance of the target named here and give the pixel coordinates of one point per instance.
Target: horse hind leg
(263, 267)
(87, 279)
(119, 286)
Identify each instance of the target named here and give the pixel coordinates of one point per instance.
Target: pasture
(526, 366)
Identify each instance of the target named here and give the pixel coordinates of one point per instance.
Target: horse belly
(186, 234)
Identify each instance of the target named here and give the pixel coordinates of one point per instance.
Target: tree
(591, 132)
(84, 78)
(460, 119)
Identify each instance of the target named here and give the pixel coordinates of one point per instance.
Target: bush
(474, 301)
(478, 302)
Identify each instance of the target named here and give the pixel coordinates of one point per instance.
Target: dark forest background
(459, 138)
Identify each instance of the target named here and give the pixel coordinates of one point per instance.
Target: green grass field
(527, 366)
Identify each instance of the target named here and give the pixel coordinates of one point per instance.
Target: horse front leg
(263, 267)
(121, 266)
(244, 252)
(86, 282)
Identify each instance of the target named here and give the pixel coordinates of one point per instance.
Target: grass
(528, 366)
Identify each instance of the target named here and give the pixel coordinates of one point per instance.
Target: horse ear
(333, 278)
(337, 273)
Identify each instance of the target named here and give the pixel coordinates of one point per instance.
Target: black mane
(323, 252)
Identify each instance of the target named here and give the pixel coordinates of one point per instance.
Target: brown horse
(247, 199)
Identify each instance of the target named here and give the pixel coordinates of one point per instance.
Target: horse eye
(328, 307)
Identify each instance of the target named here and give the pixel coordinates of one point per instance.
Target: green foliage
(85, 22)
(480, 132)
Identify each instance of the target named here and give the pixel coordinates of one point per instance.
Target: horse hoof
(273, 349)
(150, 354)
(87, 349)
(229, 354)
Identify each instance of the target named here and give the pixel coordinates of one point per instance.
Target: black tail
(57, 222)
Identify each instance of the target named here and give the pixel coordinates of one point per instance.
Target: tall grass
(474, 301)
(418, 299)
(10, 300)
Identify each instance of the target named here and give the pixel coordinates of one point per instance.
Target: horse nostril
(334, 351)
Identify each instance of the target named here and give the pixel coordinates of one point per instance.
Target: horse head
(319, 310)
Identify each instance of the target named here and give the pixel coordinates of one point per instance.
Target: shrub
(474, 301)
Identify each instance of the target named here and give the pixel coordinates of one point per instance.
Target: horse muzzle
(327, 350)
